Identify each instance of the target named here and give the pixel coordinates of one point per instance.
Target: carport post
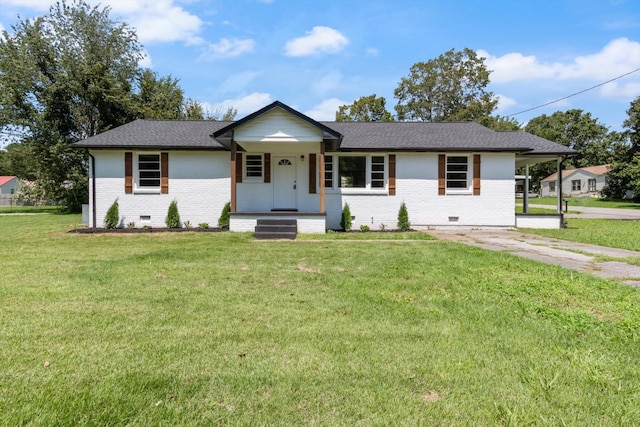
(525, 204)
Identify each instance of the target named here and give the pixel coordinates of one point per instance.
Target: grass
(360, 235)
(200, 328)
(603, 232)
(584, 202)
(30, 209)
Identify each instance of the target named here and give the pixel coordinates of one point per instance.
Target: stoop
(276, 228)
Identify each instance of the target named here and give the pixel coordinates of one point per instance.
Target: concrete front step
(273, 228)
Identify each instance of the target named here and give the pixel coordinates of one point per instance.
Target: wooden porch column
(234, 149)
(321, 177)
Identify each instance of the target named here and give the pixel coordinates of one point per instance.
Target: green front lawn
(604, 232)
(216, 328)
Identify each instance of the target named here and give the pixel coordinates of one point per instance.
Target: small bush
(188, 225)
(112, 219)
(173, 217)
(223, 221)
(345, 221)
(364, 227)
(131, 224)
(403, 218)
(383, 226)
(203, 225)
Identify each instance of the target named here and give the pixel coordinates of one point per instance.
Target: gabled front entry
(284, 183)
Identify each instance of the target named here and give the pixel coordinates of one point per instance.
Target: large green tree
(158, 97)
(70, 75)
(365, 109)
(451, 87)
(624, 177)
(576, 129)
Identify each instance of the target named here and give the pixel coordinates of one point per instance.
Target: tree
(366, 109)
(67, 76)
(158, 97)
(500, 123)
(17, 159)
(448, 88)
(624, 175)
(194, 110)
(576, 129)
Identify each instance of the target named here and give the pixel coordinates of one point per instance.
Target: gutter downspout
(92, 196)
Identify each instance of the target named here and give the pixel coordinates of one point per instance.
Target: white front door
(284, 183)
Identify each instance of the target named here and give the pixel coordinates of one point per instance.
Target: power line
(574, 94)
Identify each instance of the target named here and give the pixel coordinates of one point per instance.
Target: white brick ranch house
(279, 163)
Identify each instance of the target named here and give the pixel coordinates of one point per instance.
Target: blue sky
(316, 55)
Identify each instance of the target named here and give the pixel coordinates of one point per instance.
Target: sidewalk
(572, 255)
(586, 212)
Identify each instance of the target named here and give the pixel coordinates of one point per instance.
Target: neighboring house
(279, 163)
(588, 180)
(9, 185)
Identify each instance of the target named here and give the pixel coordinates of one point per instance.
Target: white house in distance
(278, 164)
(8, 186)
(582, 181)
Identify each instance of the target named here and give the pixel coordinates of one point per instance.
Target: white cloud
(619, 56)
(326, 110)
(154, 20)
(146, 61)
(327, 83)
(245, 105)
(227, 48)
(319, 39)
(504, 103)
(620, 89)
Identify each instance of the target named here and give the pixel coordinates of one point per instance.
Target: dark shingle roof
(374, 136)
(186, 134)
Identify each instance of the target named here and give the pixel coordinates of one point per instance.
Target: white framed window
(576, 185)
(457, 176)
(378, 178)
(355, 172)
(328, 171)
(352, 171)
(253, 168)
(552, 187)
(148, 171)
(592, 185)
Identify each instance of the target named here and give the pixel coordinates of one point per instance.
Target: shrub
(203, 225)
(131, 224)
(364, 227)
(345, 221)
(112, 220)
(223, 221)
(188, 225)
(403, 218)
(173, 217)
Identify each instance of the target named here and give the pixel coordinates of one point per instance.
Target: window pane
(149, 158)
(149, 183)
(457, 172)
(254, 165)
(328, 171)
(456, 184)
(352, 172)
(149, 174)
(149, 170)
(457, 159)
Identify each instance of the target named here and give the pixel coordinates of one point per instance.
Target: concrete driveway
(575, 256)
